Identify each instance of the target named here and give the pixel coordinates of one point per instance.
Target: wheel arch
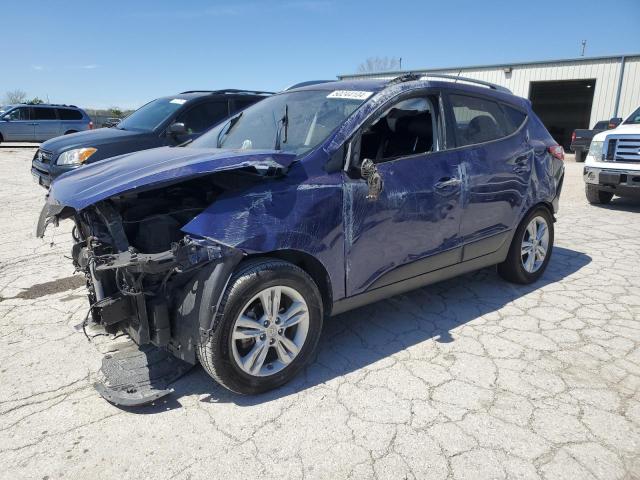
(311, 265)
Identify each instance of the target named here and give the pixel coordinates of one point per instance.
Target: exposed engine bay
(135, 257)
(140, 267)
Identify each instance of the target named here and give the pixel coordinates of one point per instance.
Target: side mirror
(176, 129)
(369, 172)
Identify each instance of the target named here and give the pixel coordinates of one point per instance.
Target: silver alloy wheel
(270, 331)
(535, 244)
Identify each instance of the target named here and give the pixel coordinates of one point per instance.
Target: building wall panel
(605, 71)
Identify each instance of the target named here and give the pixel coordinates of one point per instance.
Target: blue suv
(231, 250)
(164, 121)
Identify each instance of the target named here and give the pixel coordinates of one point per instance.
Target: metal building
(566, 94)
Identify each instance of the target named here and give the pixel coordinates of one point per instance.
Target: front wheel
(530, 248)
(595, 196)
(271, 318)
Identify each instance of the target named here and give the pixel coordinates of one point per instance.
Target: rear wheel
(580, 156)
(530, 248)
(269, 329)
(595, 196)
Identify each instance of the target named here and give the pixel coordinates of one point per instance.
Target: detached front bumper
(618, 181)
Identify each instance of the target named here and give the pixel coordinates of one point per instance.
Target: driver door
(411, 225)
(17, 125)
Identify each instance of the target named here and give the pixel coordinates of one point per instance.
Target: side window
(21, 113)
(43, 113)
(241, 104)
(478, 120)
(68, 114)
(515, 118)
(201, 117)
(406, 128)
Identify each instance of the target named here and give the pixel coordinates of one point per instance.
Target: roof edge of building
(490, 66)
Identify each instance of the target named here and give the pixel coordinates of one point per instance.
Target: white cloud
(37, 67)
(90, 66)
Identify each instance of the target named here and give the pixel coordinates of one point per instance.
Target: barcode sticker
(350, 94)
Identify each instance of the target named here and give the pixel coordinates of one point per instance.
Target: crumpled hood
(143, 170)
(88, 138)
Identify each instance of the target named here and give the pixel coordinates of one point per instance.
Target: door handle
(447, 183)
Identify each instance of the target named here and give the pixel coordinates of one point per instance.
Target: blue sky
(124, 53)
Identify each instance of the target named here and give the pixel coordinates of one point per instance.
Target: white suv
(612, 166)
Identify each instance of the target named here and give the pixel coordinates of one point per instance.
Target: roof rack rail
(407, 77)
(228, 90)
(48, 105)
(457, 78)
(306, 84)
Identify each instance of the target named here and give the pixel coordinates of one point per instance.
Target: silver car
(37, 123)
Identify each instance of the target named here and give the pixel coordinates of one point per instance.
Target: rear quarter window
(479, 120)
(69, 114)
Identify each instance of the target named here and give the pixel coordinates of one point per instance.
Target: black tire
(512, 269)
(580, 156)
(595, 196)
(250, 278)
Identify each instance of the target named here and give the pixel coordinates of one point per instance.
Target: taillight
(90, 125)
(557, 151)
(573, 137)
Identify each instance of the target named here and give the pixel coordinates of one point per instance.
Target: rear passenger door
(46, 123)
(497, 159)
(199, 118)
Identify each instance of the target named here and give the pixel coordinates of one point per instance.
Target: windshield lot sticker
(350, 94)
(179, 101)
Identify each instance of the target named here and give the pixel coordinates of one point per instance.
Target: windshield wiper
(283, 124)
(232, 123)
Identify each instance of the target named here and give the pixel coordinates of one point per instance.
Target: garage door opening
(563, 106)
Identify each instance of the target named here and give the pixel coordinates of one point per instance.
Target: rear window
(241, 104)
(602, 125)
(479, 120)
(201, 117)
(69, 114)
(43, 113)
(515, 118)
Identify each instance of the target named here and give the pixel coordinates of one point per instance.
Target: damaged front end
(146, 277)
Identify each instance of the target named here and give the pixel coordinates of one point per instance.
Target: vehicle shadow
(361, 337)
(49, 288)
(626, 204)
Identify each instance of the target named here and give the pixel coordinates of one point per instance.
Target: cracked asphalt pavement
(473, 378)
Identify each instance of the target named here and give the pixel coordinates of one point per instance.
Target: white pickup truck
(612, 166)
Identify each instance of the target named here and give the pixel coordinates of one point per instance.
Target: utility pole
(400, 63)
(584, 45)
